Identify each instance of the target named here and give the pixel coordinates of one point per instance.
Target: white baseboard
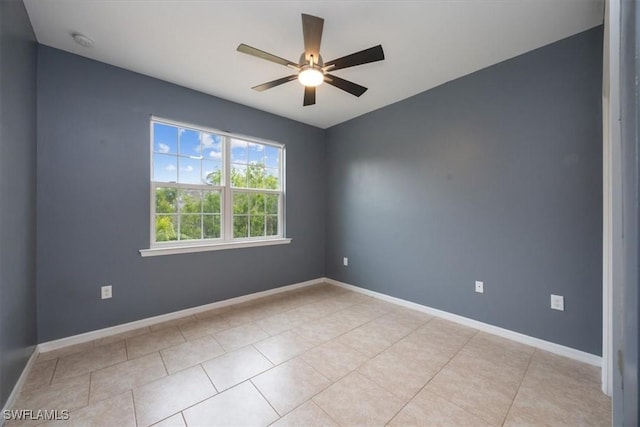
(150, 321)
(561, 350)
(19, 384)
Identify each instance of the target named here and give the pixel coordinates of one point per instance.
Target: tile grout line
(261, 394)
(133, 400)
(458, 406)
(163, 362)
(504, 420)
(310, 398)
(358, 326)
(322, 409)
(55, 367)
(432, 377)
(126, 349)
(207, 374)
(386, 349)
(194, 404)
(182, 333)
(89, 392)
(265, 356)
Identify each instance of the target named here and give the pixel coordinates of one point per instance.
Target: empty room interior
(319, 213)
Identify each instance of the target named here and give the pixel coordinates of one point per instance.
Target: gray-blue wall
(497, 177)
(93, 200)
(17, 193)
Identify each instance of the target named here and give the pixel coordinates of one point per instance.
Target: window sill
(172, 250)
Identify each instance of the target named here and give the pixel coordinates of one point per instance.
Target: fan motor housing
(317, 62)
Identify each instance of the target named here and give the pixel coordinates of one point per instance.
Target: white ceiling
(193, 43)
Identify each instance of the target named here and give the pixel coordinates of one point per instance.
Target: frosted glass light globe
(311, 77)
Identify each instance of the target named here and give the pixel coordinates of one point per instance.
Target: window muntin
(213, 187)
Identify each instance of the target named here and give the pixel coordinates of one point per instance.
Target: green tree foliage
(165, 230)
(255, 214)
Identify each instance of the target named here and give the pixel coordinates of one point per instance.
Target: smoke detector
(82, 40)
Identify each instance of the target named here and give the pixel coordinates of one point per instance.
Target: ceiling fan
(311, 70)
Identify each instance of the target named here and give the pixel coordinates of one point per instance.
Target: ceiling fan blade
(274, 83)
(312, 32)
(309, 96)
(366, 56)
(265, 55)
(345, 85)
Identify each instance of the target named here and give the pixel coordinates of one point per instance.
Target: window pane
(239, 175)
(190, 143)
(211, 225)
(211, 146)
(271, 157)
(166, 226)
(272, 203)
(238, 151)
(272, 225)
(165, 168)
(256, 226)
(211, 202)
(256, 153)
(240, 203)
(190, 201)
(255, 176)
(240, 226)
(271, 180)
(212, 172)
(190, 227)
(256, 204)
(189, 171)
(166, 200)
(165, 139)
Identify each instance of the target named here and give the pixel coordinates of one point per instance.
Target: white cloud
(238, 143)
(163, 148)
(170, 168)
(206, 139)
(188, 169)
(215, 154)
(257, 147)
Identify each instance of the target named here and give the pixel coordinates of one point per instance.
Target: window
(212, 188)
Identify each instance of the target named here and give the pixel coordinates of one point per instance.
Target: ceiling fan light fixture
(311, 77)
(311, 70)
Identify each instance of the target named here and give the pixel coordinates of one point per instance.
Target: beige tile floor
(318, 356)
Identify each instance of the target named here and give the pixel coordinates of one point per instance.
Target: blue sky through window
(256, 153)
(189, 172)
(165, 138)
(190, 156)
(190, 143)
(271, 156)
(238, 151)
(165, 167)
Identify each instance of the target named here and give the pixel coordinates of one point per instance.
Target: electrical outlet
(345, 261)
(479, 287)
(105, 292)
(557, 302)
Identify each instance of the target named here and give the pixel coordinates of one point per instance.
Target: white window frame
(226, 240)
